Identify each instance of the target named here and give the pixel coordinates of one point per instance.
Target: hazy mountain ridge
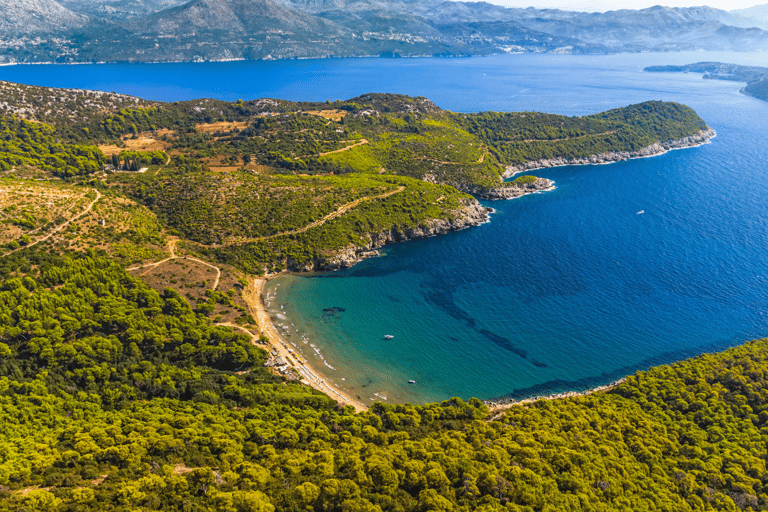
(139, 31)
(757, 13)
(119, 9)
(233, 16)
(37, 16)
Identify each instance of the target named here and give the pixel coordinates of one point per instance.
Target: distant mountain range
(171, 30)
(757, 13)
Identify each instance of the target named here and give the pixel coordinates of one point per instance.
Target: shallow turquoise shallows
(560, 291)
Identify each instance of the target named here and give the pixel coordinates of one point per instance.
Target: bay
(564, 290)
(570, 289)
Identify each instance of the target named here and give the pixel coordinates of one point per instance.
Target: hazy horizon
(608, 5)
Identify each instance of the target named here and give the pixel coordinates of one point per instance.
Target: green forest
(122, 391)
(25, 144)
(383, 133)
(117, 397)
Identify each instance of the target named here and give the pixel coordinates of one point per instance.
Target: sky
(608, 5)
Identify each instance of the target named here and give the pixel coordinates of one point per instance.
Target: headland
(655, 149)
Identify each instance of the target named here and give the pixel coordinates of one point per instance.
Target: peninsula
(755, 77)
(140, 370)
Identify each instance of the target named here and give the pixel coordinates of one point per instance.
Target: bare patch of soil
(224, 169)
(191, 279)
(144, 142)
(223, 126)
(334, 115)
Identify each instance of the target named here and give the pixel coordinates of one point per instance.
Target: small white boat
(641, 211)
(388, 336)
(411, 381)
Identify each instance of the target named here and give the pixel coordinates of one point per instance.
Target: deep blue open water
(564, 290)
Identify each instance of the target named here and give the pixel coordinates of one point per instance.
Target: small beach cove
(281, 346)
(300, 347)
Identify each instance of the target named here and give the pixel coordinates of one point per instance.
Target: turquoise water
(563, 290)
(569, 289)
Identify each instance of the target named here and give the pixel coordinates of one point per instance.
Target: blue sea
(564, 290)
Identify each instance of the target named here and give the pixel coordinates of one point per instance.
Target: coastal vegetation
(265, 185)
(27, 144)
(118, 397)
(517, 138)
(381, 134)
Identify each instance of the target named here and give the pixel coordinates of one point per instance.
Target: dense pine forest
(117, 397)
(132, 370)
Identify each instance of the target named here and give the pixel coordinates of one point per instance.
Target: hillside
(37, 17)
(118, 10)
(249, 16)
(126, 398)
(60, 107)
(758, 14)
(170, 30)
(384, 133)
(265, 185)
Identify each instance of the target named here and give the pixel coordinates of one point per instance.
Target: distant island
(755, 77)
(92, 31)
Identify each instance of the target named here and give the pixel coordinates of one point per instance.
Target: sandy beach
(254, 296)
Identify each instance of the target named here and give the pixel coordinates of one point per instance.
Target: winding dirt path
(172, 251)
(339, 211)
(167, 161)
(362, 141)
(60, 227)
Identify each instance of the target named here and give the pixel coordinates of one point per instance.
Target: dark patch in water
(503, 342)
(555, 386)
(394, 299)
(443, 300)
(331, 314)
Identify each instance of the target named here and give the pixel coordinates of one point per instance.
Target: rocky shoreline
(472, 214)
(506, 403)
(614, 156)
(515, 190)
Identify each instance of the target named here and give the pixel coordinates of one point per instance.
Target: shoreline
(473, 214)
(656, 149)
(504, 403)
(500, 404)
(309, 374)
(317, 380)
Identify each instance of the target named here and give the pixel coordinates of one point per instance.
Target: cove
(565, 290)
